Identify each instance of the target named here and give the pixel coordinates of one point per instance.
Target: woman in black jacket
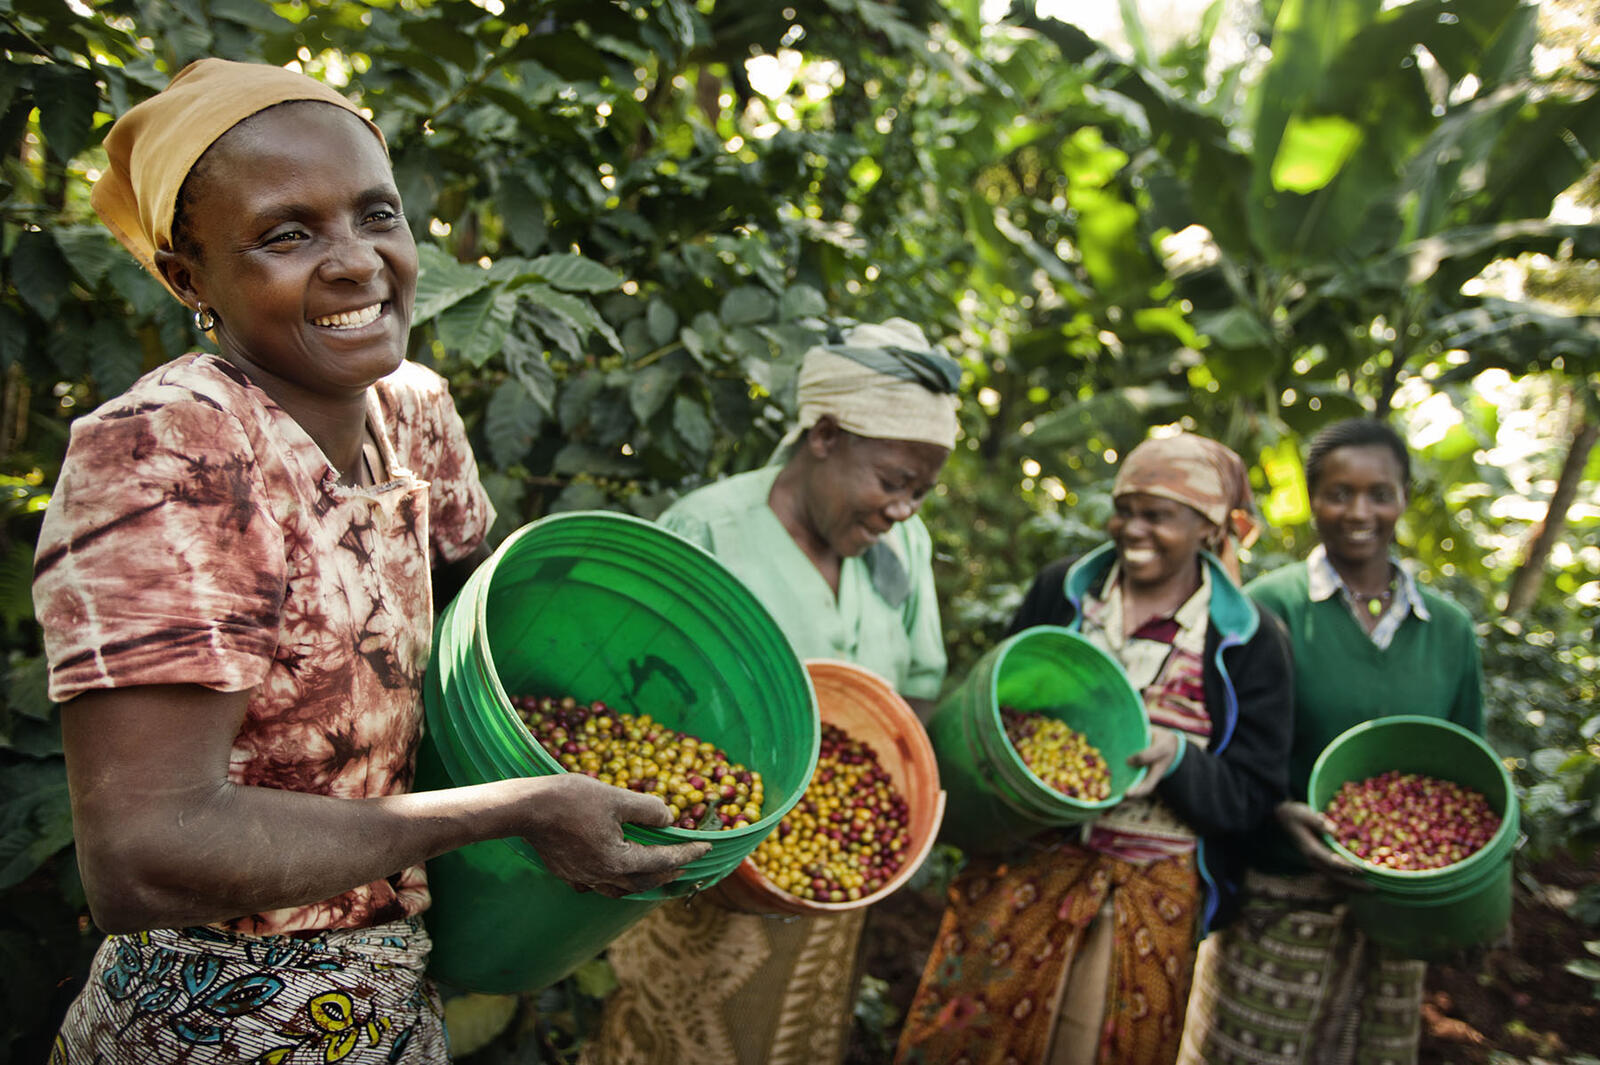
(1080, 948)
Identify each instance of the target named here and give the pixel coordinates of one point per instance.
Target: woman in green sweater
(1294, 981)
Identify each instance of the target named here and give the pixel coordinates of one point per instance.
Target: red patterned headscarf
(1200, 473)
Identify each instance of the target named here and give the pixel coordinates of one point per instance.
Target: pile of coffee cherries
(703, 788)
(1058, 754)
(1409, 821)
(848, 834)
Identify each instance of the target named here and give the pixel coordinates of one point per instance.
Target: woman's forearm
(166, 839)
(169, 859)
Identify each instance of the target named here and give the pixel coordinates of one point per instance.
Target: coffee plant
(635, 216)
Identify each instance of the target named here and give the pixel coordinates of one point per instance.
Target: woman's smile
(303, 254)
(351, 319)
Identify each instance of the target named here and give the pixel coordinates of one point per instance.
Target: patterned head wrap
(1200, 473)
(886, 382)
(883, 381)
(156, 143)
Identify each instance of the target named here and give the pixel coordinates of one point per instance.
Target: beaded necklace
(1378, 603)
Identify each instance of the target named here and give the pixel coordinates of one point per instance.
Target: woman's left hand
(1156, 758)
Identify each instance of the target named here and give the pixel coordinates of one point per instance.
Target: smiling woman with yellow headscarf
(233, 578)
(827, 537)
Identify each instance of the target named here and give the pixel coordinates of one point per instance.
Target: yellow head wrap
(156, 143)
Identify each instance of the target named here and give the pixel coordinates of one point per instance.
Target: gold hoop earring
(205, 320)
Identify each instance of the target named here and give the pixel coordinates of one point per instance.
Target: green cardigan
(1342, 679)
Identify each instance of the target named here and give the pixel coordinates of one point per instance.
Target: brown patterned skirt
(993, 990)
(702, 984)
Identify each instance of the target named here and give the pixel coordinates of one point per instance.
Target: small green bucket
(595, 606)
(995, 801)
(1427, 913)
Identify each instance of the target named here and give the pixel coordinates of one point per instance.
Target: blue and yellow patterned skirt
(202, 995)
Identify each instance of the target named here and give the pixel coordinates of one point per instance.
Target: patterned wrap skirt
(993, 989)
(1295, 982)
(704, 985)
(203, 995)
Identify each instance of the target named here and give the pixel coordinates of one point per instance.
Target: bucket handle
(690, 890)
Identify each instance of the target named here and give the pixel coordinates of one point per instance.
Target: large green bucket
(995, 801)
(596, 606)
(1428, 913)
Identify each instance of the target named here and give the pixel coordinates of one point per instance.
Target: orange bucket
(863, 705)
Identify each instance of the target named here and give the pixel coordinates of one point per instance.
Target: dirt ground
(1488, 1005)
(1520, 1000)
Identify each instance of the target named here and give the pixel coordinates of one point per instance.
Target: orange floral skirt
(992, 989)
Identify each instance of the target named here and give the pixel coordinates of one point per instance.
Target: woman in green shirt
(1294, 981)
(827, 537)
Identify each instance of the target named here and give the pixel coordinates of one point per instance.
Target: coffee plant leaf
(610, 418)
(40, 272)
(580, 495)
(651, 387)
(16, 584)
(574, 399)
(522, 211)
(476, 327)
(115, 359)
(511, 422)
(90, 250)
(663, 321)
(67, 96)
(35, 817)
(575, 273)
(746, 305)
(27, 688)
(577, 312)
(692, 427)
(575, 458)
(801, 301)
(442, 282)
(528, 364)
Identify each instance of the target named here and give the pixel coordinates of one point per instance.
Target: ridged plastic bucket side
(596, 606)
(995, 801)
(1427, 913)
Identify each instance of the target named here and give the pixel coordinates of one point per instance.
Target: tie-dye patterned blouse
(198, 535)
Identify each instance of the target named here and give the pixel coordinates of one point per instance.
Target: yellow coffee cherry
(823, 849)
(702, 787)
(1057, 754)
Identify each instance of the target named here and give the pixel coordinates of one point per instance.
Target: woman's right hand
(578, 834)
(1306, 828)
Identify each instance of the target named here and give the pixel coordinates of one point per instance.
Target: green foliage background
(630, 234)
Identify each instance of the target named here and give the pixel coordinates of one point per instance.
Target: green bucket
(596, 606)
(995, 801)
(1427, 913)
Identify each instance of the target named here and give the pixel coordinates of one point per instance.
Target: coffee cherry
(703, 788)
(848, 835)
(1057, 754)
(1409, 821)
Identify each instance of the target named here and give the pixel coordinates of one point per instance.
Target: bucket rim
(480, 586)
(1002, 651)
(917, 738)
(1510, 817)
